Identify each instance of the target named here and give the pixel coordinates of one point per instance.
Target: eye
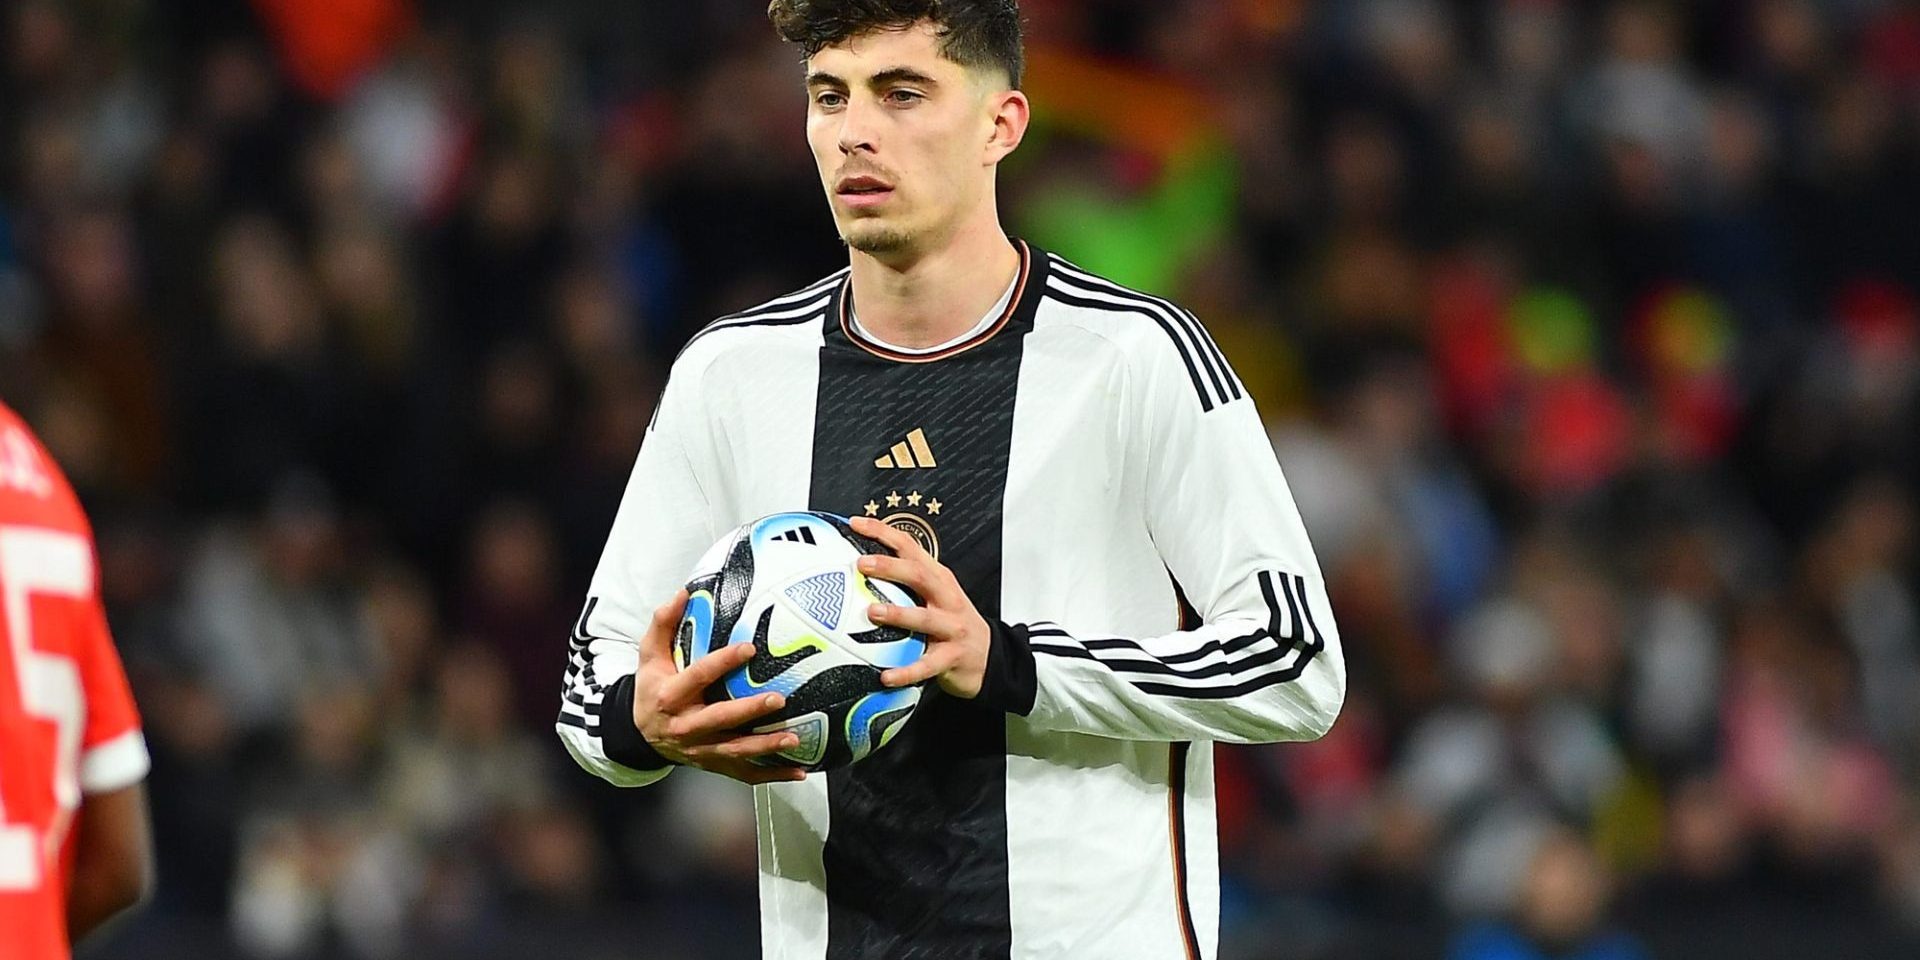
(903, 96)
(829, 99)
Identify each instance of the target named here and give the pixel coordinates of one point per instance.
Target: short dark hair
(973, 33)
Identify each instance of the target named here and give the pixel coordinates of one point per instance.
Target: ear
(1010, 115)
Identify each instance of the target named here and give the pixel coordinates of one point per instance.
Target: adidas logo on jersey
(913, 453)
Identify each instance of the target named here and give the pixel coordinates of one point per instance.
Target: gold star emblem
(933, 507)
(913, 499)
(893, 499)
(873, 509)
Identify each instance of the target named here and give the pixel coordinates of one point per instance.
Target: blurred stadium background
(1588, 333)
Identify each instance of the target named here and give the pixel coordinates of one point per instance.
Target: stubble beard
(876, 239)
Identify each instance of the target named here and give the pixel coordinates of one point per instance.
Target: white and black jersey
(1090, 468)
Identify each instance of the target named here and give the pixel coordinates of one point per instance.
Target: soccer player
(1114, 570)
(73, 818)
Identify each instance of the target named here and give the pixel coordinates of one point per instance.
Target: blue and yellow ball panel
(865, 719)
(695, 638)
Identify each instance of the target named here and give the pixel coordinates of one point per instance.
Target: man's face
(901, 137)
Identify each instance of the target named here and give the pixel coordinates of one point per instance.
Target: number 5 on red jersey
(67, 720)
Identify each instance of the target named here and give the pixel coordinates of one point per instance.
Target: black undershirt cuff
(1010, 684)
(619, 738)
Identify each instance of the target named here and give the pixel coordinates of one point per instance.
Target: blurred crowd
(1588, 334)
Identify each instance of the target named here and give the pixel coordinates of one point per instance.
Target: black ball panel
(881, 634)
(888, 720)
(765, 666)
(732, 584)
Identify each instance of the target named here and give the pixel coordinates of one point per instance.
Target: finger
(922, 577)
(745, 747)
(702, 673)
(657, 643)
(926, 668)
(928, 621)
(710, 723)
(892, 537)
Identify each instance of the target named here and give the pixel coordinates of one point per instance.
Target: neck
(931, 297)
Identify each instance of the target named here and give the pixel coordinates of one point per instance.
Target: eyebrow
(890, 75)
(901, 75)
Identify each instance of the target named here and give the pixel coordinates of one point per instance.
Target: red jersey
(67, 720)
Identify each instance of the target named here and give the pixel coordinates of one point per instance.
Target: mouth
(863, 191)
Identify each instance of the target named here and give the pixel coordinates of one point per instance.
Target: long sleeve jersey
(1090, 468)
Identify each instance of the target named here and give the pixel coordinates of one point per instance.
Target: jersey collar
(1019, 311)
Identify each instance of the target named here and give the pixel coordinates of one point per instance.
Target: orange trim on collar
(886, 353)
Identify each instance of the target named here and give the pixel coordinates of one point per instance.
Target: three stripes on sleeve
(1212, 378)
(582, 693)
(1207, 666)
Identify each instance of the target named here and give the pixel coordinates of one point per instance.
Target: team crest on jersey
(912, 514)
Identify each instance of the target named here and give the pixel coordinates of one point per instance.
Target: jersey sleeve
(113, 751)
(1264, 664)
(662, 525)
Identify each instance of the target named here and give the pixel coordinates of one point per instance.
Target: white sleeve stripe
(1211, 647)
(580, 695)
(1173, 676)
(581, 637)
(116, 764)
(609, 660)
(572, 714)
(583, 700)
(1187, 688)
(1256, 648)
(1173, 648)
(583, 693)
(1225, 674)
(1201, 645)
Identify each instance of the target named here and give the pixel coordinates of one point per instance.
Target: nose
(858, 126)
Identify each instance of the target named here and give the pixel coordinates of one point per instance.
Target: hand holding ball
(788, 584)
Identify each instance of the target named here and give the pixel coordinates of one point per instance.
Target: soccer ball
(788, 585)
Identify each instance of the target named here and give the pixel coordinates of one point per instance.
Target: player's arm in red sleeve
(112, 845)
